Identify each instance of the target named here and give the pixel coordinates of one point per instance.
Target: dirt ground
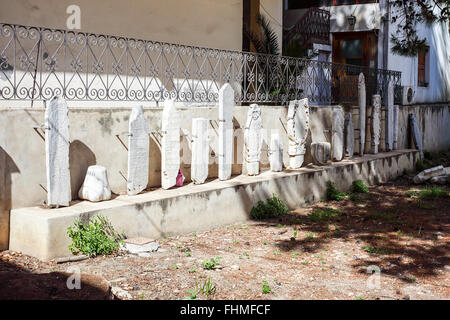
(386, 244)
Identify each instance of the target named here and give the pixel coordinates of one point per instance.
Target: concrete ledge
(42, 232)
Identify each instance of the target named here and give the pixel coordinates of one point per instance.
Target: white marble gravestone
(395, 127)
(337, 136)
(276, 152)
(375, 128)
(253, 139)
(170, 145)
(362, 112)
(320, 152)
(95, 186)
(138, 151)
(226, 107)
(297, 129)
(57, 146)
(389, 118)
(416, 135)
(349, 133)
(200, 150)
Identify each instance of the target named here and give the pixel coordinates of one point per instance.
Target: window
(352, 51)
(422, 68)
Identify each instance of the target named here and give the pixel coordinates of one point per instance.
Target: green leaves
(95, 237)
(273, 207)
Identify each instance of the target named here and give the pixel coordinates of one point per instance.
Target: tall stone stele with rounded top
(170, 145)
(375, 128)
(337, 135)
(200, 150)
(226, 107)
(362, 112)
(138, 151)
(57, 146)
(297, 129)
(253, 139)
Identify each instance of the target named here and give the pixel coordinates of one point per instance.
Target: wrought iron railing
(312, 27)
(37, 63)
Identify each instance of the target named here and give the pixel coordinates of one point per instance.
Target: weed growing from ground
(211, 264)
(333, 193)
(265, 288)
(273, 207)
(325, 214)
(95, 237)
(358, 186)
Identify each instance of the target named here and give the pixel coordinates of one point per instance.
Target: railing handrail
(255, 72)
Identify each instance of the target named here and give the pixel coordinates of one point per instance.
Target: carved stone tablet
(200, 150)
(276, 153)
(253, 139)
(337, 137)
(362, 112)
(57, 152)
(226, 106)
(170, 145)
(320, 152)
(375, 128)
(395, 127)
(95, 186)
(389, 127)
(138, 151)
(297, 129)
(349, 133)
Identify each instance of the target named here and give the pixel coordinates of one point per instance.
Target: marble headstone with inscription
(253, 139)
(276, 152)
(349, 133)
(375, 128)
(57, 146)
(170, 145)
(389, 122)
(138, 151)
(297, 129)
(337, 137)
(226, 107)
(200, 150)
(362, 112)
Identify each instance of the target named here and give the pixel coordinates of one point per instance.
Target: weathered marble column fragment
(170, 145)
(95, 186)
(200, 150)
(276, 153)
(138, 151)
(395, 127)
(337, 136)
(297, 129)
(362, 112)
(253, 139)
(375, 128)
(57, 152)
(226, 107)
(320, 152)
(349, 133)
(416, 135)
(389, 122)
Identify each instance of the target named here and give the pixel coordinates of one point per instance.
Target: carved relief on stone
(337, 136)
(297, 129)
(320, 152)
(170, 145)
(276, 152)
(226, 106)
(375, 128)
(362, 112)
(253, 139)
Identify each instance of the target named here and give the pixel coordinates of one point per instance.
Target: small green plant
(433, 193)
(211, 264)
(174, 266)
(207, 288)
(332, 193)
(325, 214)
(193, 269)
(265, 243)
(187, 252)
(310, 235)
(358, 186)
(95, 237)
(265, 288)
(273, 207)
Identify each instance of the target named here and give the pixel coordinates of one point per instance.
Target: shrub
(95, 237)
(359, 186)
(273, 207)
(433, 193)
(211, 264)
(332, 193)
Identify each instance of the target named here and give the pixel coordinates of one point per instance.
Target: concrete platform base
(42, 233)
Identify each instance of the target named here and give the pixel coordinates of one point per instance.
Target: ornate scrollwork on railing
(37, 63)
